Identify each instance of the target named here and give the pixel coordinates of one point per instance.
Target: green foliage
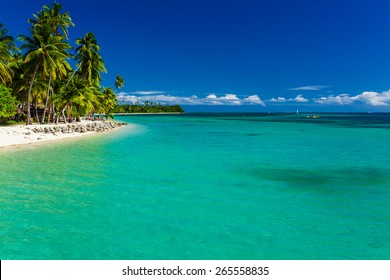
(46, 54)
(76, 97)
(89, 60)
(41, 77)
(7, 103)
(148, 107)
(52, 18)
(108, 101)
(119, 82)
(7, 47)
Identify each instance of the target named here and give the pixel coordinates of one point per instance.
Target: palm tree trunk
(57, 117)
(36, 112)
(71, 112)
(74, 72)
(63, 114)
(51, 110)
(28, 121)
(47, 100)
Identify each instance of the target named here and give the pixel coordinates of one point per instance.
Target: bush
(7, 104)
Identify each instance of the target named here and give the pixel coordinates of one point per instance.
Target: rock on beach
(17, 135)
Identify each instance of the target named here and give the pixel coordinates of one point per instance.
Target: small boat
(313, 117)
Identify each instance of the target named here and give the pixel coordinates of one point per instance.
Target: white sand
(23, 134)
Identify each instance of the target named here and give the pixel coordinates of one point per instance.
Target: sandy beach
(22, 134)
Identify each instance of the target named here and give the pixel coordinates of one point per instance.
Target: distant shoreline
(160, 113)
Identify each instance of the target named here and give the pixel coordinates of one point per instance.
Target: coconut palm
(7, 47)
(76, 96)
(90, 62)
(41, 76)
(45, 54)
(119, 82)
(52, 17)
(57, 23)
(108, 101)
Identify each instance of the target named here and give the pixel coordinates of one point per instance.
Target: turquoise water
(202, 186)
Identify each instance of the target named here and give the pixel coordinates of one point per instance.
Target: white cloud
(232, 97)
(211, 96)
(254, 99)
(309, 88)
(342, 99)
(227, 99)
(147, 92)
(155, 97)
(279, 99)
(299, 98)
(127, 98)
(374, 98)
(368, 97)
(210, 99)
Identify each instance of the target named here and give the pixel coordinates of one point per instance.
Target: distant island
(148, 107)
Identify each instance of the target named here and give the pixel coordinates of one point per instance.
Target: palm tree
(47, 54)
(57, 23)
(108, 101)
(18, 84)
(76, 96)
(89, 60)
(7, 47)
(119, 82)
(53, 18)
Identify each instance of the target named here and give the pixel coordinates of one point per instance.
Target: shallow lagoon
(203, 186)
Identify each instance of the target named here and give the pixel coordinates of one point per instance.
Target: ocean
(203, 186)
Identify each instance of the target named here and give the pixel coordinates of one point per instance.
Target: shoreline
(17, 135)
(160, 113)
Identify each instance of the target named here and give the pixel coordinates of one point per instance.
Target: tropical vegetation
(37, 81)
(148, 107)
(7, 103)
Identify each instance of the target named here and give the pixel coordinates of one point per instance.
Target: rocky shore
(22, 134)
(83, 127)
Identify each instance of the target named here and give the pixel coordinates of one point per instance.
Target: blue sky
(246, 55)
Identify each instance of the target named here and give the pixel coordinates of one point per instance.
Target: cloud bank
(279, 99)
(210, 99)
(370, 98)
(299, 99)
